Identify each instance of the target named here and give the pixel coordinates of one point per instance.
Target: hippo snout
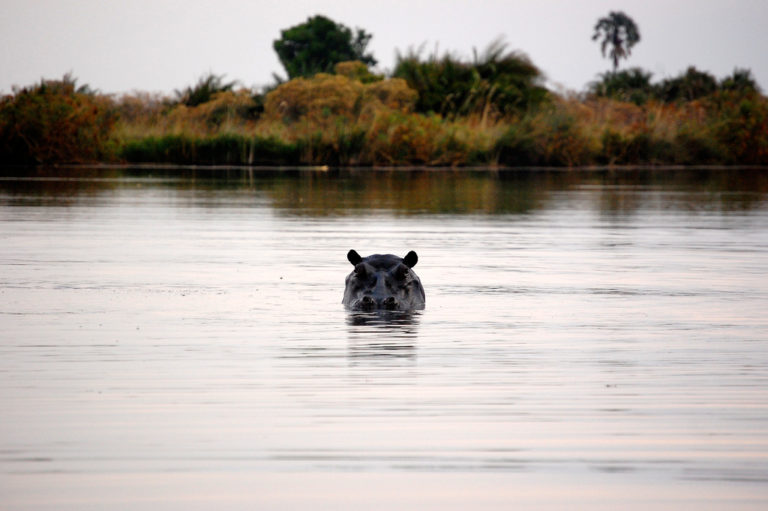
(370, 303)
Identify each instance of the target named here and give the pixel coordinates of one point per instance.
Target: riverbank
(565, 132)
(337, 120)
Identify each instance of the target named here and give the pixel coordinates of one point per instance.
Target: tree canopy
(496, 81)
(619, 32)
(316, 45)
(635, 85)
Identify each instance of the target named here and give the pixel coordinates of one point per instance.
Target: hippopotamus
(383, 282)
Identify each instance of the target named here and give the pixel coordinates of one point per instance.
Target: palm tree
(620, 32)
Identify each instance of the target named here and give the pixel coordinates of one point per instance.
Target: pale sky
(120, 46)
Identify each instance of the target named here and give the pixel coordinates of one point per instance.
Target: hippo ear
(411, 259)
(360, 270)
(353, 257)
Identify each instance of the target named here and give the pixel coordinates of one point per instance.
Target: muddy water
(174, 339)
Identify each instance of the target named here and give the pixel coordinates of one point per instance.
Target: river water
(173, 339)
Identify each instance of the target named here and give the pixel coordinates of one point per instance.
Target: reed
(222, 149)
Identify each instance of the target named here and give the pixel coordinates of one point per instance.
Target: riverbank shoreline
(724, 128)
(6, 170)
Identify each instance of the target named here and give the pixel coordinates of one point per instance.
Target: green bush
(397, 138)
(516, 147)
(56, 122)
(635, 148)
(692, 148)
(496, 82)
(634, 85)
(205, 89)
(743, 127)
(548, 137)
(224, 149)
(630, 85)
(740, 81)
(691, 85)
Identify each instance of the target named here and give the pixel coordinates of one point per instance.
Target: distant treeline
(433, 111)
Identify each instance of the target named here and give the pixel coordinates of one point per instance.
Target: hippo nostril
(367, 302)
(390, 303)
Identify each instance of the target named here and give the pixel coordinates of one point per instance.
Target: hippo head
(383, 282)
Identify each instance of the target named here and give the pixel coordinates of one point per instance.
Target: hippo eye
(401, 272)
(360, 270)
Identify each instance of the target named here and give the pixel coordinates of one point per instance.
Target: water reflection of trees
(689, 189)
(414, 192)
(46, 186)
(352, 192)
(517, 191)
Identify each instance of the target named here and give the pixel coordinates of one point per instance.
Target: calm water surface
(174, 339)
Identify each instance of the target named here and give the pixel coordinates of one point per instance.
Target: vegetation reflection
(349, 192)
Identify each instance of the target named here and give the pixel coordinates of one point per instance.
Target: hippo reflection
(383, 282)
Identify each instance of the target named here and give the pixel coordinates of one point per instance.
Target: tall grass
(223, 149)
(357, 118)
